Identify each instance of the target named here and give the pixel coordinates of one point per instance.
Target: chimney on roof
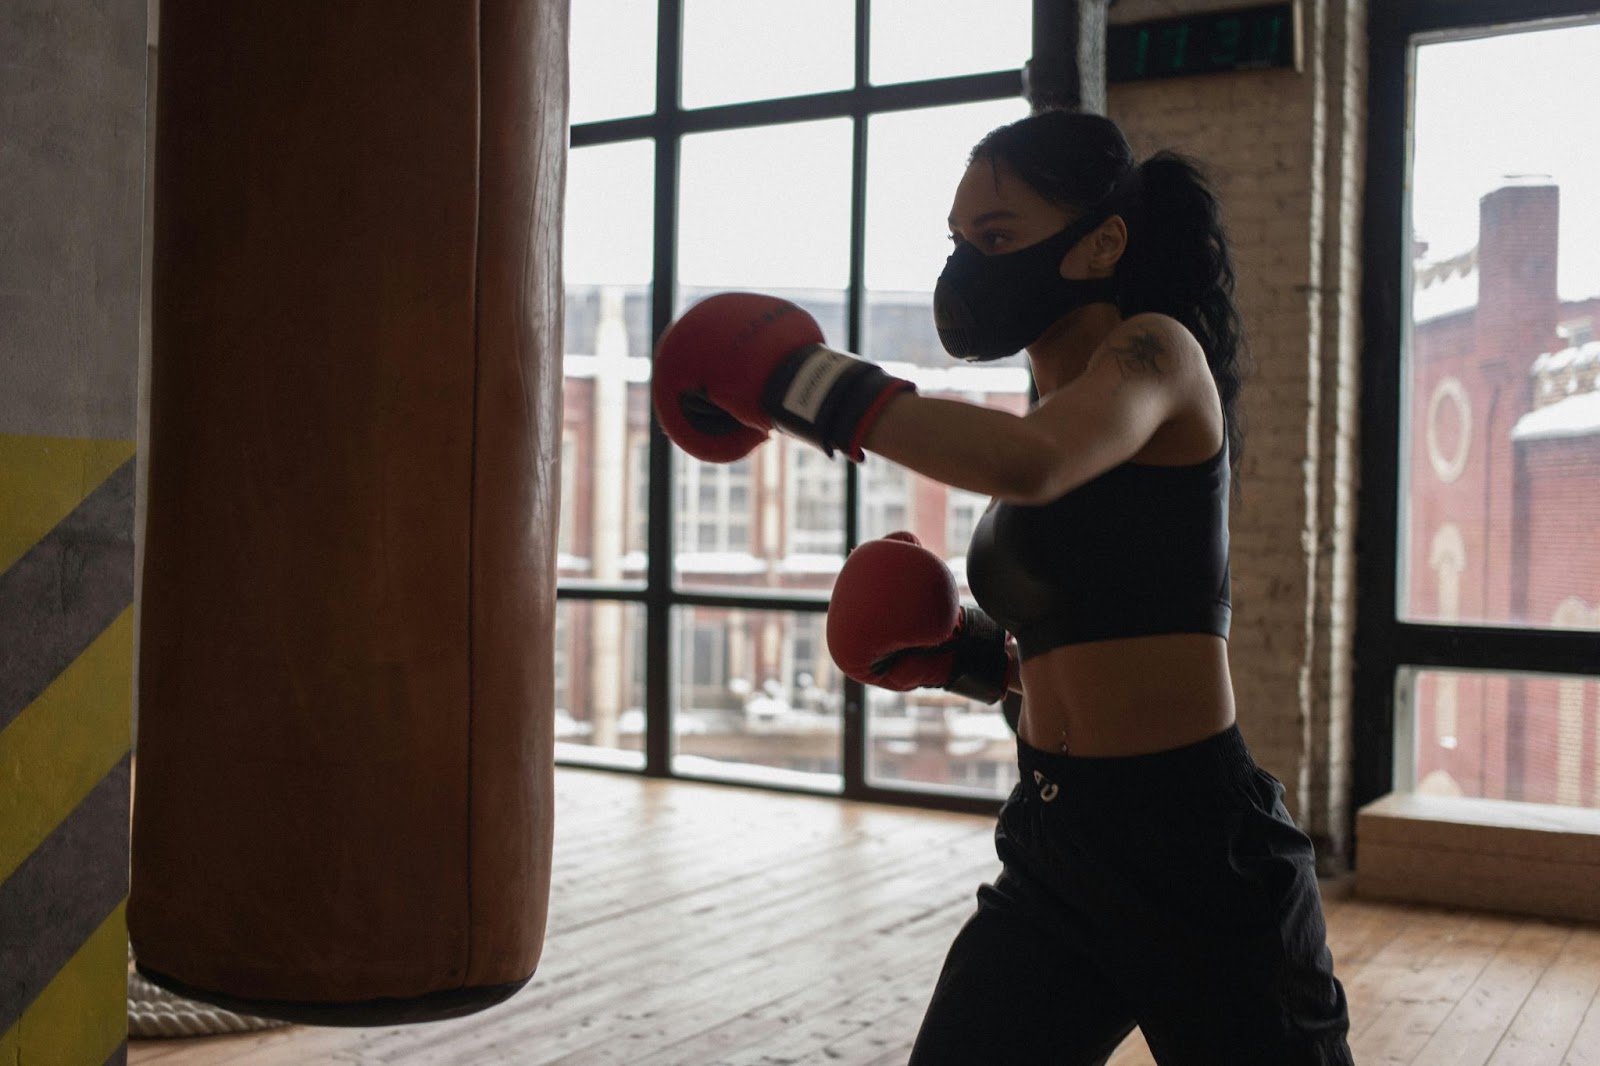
(1518, 305)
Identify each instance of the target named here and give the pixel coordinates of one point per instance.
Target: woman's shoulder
(1154, 345)
(1162, 349)
(1155, 328)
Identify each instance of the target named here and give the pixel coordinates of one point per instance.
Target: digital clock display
(1253, 38)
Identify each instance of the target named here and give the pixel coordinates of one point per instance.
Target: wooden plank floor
(696, 925)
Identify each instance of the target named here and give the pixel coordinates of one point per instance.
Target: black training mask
(991, 306)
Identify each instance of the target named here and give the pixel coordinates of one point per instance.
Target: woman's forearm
(980, 449)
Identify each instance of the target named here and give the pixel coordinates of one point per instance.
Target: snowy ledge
(1575, 416)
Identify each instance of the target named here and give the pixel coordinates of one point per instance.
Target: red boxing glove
(896, 621)
(736, 365)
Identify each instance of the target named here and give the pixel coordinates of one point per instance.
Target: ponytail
(1178, 264)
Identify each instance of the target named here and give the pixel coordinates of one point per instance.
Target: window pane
(814, 498)
(914, 160)
(566, 535)
(1500, 460)
(713, 519)
(1526, 737)
(962, 511)
(886, 503)
(610, 213)
(638, 535)
(909, 42)
(599, 670)
(606, 402)
(752, 222)
(767, 208)
(756, 698)
(928, 737)
(612, 53)
(734, 50)
(932, 738)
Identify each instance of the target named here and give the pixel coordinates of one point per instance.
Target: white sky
(769, 208)
(1515, 104)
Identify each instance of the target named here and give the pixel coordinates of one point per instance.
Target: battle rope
(153, 1012)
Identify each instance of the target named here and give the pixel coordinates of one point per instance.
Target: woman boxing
(1151, 874)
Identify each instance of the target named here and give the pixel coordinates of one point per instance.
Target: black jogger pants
(1170, 891)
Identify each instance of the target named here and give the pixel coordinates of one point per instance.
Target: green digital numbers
(1212, 43)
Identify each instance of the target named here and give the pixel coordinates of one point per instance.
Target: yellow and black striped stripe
(66, 666)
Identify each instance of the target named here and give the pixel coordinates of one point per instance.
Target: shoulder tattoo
(1140, 352)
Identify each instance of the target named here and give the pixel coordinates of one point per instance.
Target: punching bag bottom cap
(433, 1007)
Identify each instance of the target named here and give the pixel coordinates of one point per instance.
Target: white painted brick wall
(1284, 151)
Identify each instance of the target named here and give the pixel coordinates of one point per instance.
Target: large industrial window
(809, 150)
(1479, 616)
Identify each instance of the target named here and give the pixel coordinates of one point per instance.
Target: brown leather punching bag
(344, 783)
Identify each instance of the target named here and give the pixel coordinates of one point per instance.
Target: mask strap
(1116, 202)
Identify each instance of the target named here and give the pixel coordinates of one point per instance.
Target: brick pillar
(1283, 149)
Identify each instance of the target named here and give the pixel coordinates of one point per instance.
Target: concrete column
(72, 147)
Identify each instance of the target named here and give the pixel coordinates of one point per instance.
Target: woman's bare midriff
(1127, 697)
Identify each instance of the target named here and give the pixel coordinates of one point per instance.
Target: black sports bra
(1140, 550)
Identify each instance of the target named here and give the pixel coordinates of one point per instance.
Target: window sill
(1526, 858)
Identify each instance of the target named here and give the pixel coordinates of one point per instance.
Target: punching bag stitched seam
(472, 489)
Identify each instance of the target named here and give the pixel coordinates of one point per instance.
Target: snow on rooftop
(1579, 358)
(811, 562)
(720, 563)
(959, 378)
(1575, 416)
(1443, 287)
(634, 368)
(963, 377)
(1526, 181)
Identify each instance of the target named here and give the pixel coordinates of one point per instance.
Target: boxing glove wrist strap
(828, 398)
(980, 670)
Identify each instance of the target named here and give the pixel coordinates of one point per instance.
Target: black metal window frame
(1385, 646)
(666, 127)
